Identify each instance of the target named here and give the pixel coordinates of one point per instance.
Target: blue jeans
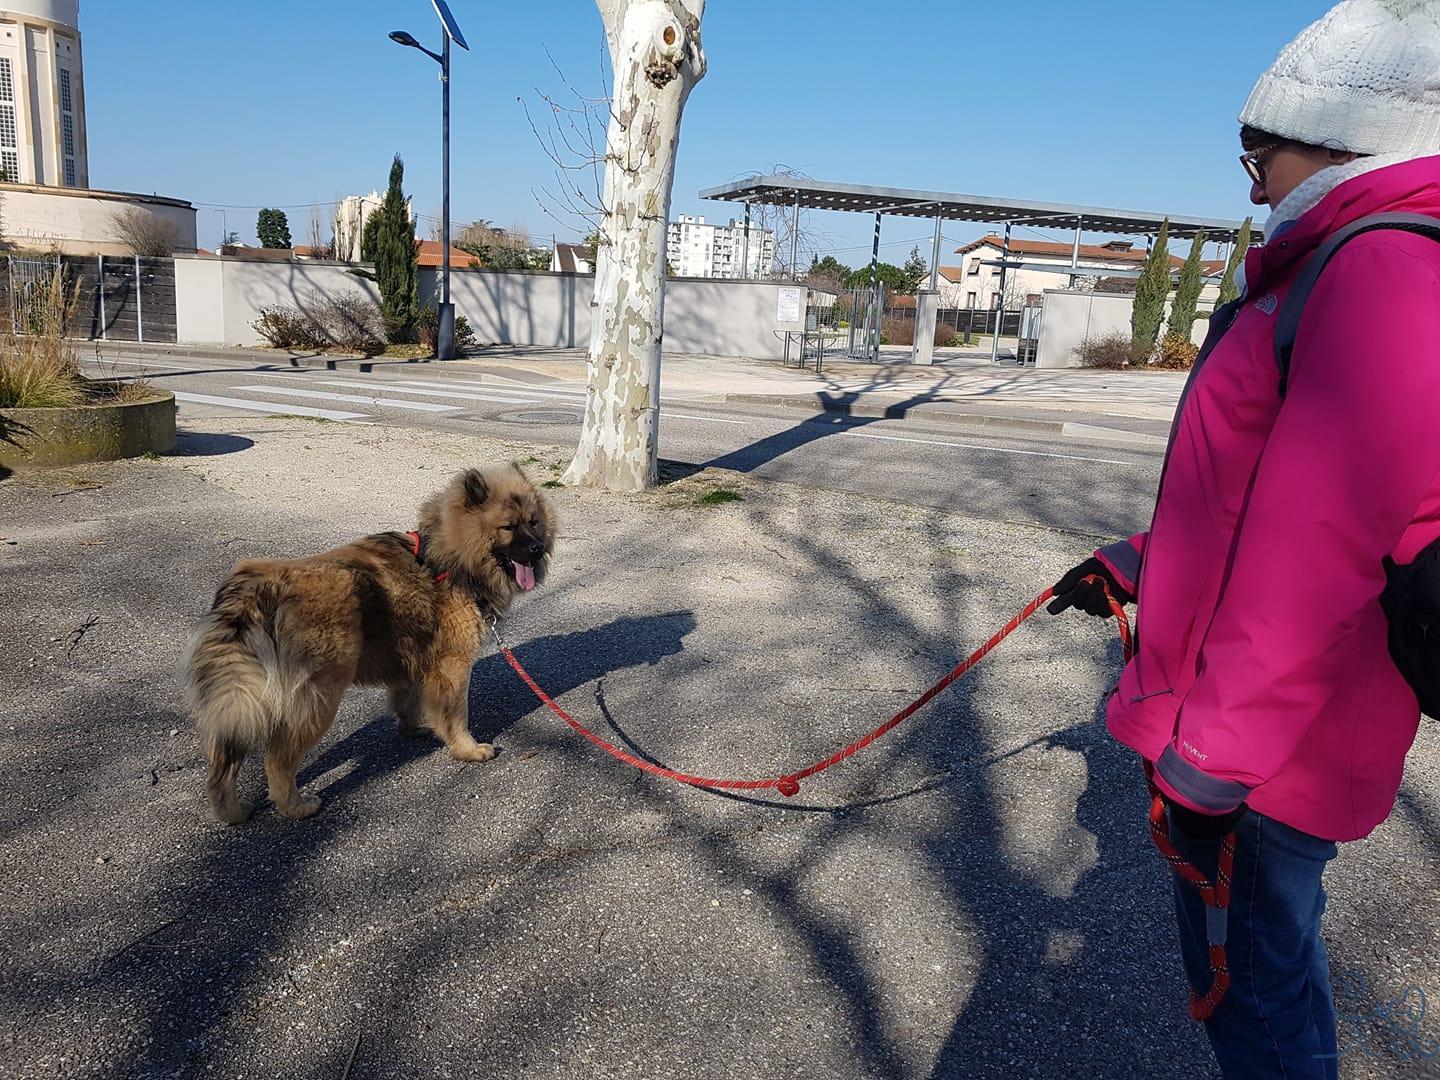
(1278, 1018)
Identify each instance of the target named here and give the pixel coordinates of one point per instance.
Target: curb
(896, 412)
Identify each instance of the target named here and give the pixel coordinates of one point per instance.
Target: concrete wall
(708, 316)
(1069, 318)
(76, 221)
(217, 299)
(199, 314)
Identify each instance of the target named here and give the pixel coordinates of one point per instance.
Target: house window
(970, 300)
(66, 101)
(974, 267)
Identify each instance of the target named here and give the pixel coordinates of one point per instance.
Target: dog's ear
(476, 490)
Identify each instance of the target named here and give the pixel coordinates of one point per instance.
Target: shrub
(349, 321)
(428, 327)
(1110, 350)
(287, 328)
(144, 233)
(1176, 353)
(895, 331)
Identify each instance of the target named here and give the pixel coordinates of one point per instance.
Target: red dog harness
(417, 548)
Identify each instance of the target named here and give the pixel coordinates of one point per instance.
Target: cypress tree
(1182, 311)
(1150, 293)
(1228, 289)
(395, 259)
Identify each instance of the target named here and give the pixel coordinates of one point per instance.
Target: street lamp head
(400, 37)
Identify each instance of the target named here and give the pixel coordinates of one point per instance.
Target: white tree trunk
(656, 56)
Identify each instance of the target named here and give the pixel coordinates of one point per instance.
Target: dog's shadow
(498, 699)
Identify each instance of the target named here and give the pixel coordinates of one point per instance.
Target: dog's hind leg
(288, 745)
(406, 705)
(225, 762)
(445, 694)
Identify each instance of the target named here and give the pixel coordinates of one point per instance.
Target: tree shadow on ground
(836, 415)
(1062, 972)
(208, 444)
(219, 916)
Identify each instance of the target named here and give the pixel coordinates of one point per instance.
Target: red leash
(789, 783)
(1215, 894)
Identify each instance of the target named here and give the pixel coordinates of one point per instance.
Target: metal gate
(30, 277)
(1029, 335)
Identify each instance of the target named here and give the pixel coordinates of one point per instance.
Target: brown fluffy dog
(284, 638)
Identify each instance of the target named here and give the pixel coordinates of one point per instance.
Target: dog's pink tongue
(525, 576)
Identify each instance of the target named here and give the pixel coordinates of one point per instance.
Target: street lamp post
(445, 332)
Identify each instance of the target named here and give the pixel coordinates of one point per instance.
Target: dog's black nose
(535, 547)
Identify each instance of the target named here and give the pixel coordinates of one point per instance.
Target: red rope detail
(789, 783)
(1215, 894)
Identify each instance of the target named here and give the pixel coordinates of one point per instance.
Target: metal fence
(115, 298)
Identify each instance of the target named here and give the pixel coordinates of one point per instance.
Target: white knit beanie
(1364, 78)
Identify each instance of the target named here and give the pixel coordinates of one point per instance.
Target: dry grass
(1110, 350)
(40, 368)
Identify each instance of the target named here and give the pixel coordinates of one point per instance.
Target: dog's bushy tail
(235, 680)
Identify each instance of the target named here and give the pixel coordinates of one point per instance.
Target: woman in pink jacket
(1263, 691)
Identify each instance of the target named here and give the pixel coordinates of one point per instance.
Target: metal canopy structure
(790, 191)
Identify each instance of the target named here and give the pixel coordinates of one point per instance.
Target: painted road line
(275, 408)
(199, 367)
(541, 388)
(665, 414)
(491, 387)
(353, 399)
(512, 400)
(974, 446)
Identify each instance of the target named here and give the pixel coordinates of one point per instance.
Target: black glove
(1073, 590)
(1198, 826)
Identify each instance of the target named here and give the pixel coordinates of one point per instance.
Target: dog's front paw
(233, 812)
(303, 807)
(472, 751)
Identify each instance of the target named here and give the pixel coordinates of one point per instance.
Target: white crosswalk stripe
(509, 387)
(510, 399)
(354, 399)
(280, 408)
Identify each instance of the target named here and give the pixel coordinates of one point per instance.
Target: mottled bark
(657, 58)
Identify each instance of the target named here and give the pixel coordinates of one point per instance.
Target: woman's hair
(1252, 138)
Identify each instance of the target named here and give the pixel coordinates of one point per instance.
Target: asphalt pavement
(973, 896)
(1063, 468)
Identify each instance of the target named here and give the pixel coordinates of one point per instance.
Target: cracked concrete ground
(983, 904)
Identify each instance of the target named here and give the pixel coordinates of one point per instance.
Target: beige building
(973, 284)
(48, 202)
(42, 94)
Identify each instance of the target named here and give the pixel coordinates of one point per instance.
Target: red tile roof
(429, 253)
(1112, 252)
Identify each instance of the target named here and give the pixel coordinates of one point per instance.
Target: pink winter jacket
(1263, 674)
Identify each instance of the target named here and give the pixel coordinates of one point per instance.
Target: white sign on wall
(787, 306)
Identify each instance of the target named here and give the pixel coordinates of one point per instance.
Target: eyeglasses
(1253, 161)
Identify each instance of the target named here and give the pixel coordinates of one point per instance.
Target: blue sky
(1129, 103)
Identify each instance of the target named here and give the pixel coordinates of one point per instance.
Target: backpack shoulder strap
(1287, 323)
